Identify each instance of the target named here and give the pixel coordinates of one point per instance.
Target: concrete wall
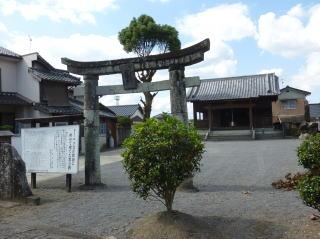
(8, 75)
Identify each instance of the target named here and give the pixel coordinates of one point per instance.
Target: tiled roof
(124, 110)
(232, 88)
(314, 111)
(6, 52)
(55, 75)
(103, 110)
(13, 98)
(60, 110)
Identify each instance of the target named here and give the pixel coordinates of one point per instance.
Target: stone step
(229, 138)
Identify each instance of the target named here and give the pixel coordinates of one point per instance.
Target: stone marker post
(179, 108)
(91, 131)
(13, 179)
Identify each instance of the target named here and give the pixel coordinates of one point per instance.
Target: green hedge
(309, 152)
(309, 190)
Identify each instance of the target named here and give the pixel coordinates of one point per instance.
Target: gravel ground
(235, 198)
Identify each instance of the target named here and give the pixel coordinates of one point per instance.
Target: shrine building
(241, 102)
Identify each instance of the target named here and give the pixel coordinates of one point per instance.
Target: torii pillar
(178, 97)
(91, 131)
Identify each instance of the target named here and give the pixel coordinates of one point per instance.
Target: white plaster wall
(8, 75)
(137, 113)
(16, 143)
(26, 84)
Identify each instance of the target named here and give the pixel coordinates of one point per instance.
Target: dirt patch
(289, 182)
(175, 225)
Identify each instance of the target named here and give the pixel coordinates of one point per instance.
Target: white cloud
(75, 11)
(277, 71)
(287, 35)
(76, 46)
(296, 11)
(224, 22)
(308, 77)
(3, 27)
(295, 34)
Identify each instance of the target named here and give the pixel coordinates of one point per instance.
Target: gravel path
(235, 197)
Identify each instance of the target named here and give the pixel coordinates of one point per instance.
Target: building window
(289, 104)
(199, 115)
(103, 129)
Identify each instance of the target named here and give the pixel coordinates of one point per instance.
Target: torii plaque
(177, 83)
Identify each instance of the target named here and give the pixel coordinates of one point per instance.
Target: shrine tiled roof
(124, 110)
(6, 52)
(233, 88)
(55, 75)
(13, 98)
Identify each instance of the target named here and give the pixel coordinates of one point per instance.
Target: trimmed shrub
(309, 154)
(309, 190)
(159, 156)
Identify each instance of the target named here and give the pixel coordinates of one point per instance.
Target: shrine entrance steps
(234, 135)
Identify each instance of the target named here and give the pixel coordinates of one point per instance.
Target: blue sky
(247, 37)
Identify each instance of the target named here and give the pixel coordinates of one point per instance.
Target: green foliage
(309, 152)
(143, 34)
(6, 127)
(124, 121)
(309, 190)
(159, 156)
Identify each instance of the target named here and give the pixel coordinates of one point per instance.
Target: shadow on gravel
(241, 228)
(233, 188)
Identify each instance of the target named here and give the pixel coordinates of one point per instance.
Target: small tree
(159, 156)
(309, 154)
(141, 37)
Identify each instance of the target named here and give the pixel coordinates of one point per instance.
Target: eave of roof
(62, 110)
(295, 89)
(55, 75)
(7, 53)
(13, 98)
(103, 110)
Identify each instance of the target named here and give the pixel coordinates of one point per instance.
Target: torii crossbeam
(175, 62)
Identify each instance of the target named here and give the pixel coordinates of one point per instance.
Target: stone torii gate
(177, 83)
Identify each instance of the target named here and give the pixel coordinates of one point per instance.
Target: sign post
(51, 150)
